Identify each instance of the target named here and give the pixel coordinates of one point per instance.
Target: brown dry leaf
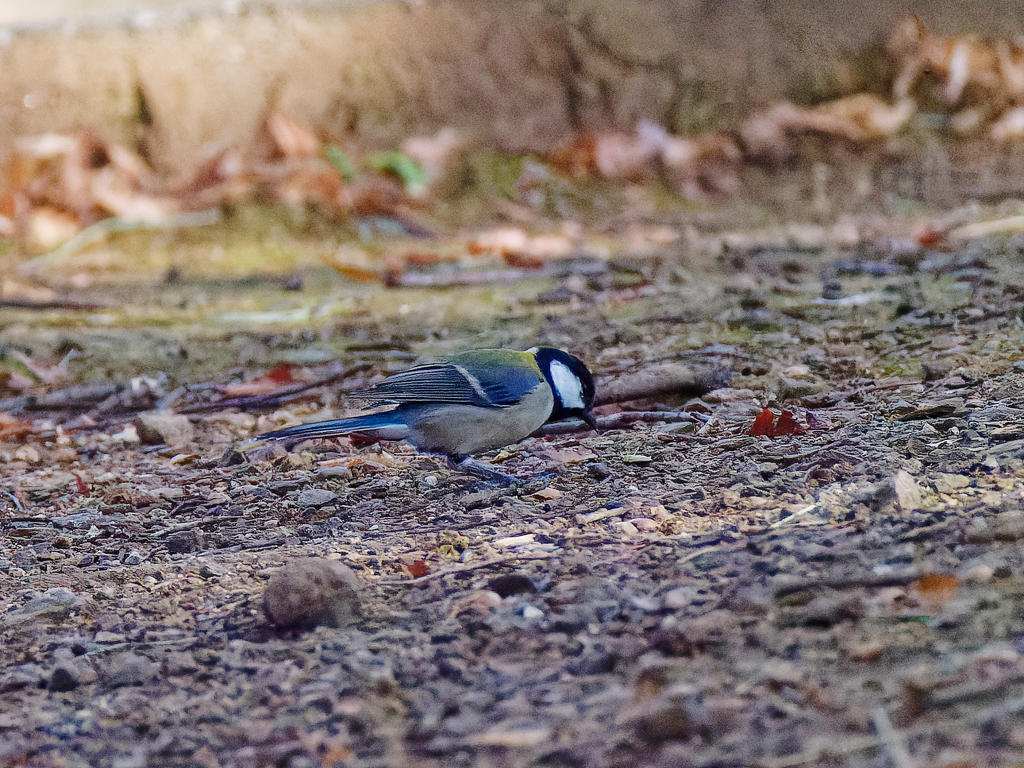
(938, 587)
(963, 65)
(569, 455)
(1009, 126)
(309, 182)
(13, 428)
(696, 165)
(292, 140)
(546, 494)
(48, 228)
(115, 193)
(417, 569)
(354, 263)
(28, 453)
(218, 179)
(702, 164)
(15, 290)
(858, 118)
(626, 156)
(519, 249)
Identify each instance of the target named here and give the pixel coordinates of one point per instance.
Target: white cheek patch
(567, 385)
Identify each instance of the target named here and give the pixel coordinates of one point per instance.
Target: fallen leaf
(417, 569)
(763, 423)
(787, 425)
(636, 458)
(938, 587)
(569, 455)
(292, 140)
(546, 494)
(907, 491)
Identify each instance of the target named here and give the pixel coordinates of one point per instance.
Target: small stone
(345, 473)
(532, 612)
(164, 427)
(180, 663)
(511, 584)
(311, 591)
(661, 719)
(980, 573)
(907, 491)
(950, 406)
(63, 678)
(133, 558)
(947, 483)
(186, 541)
(21, 676)
(680, 597)
(1009, 526)
(644, 524)
(130, 669)
(832, 290)
(54, 604)
(729, 395)
(316, 497)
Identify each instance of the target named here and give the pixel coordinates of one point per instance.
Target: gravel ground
(676, 593)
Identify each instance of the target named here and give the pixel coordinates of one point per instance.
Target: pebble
(70, 671)
(180, 663)
(62, 679)
(680, 597)
(130, 669)
(316, 497)
(172, 429)
(644, 524)
(186, 541)
(309, 592)
(21, 676)
(661, 719)
(53, 604)
(133, 558)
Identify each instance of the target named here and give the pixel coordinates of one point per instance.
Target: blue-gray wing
(487, 378)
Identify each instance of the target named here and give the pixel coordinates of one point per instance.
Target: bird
(468, 403)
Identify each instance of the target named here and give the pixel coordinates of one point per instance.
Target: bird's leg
(480, 469)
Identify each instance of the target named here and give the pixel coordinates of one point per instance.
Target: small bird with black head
(468, 403)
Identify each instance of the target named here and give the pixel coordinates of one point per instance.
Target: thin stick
(470, 567)
(13, 498)
(891, 739)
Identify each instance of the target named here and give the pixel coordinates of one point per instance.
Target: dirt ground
(674, 592)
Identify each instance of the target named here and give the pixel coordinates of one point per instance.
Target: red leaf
(929, 238)
(787, 425)
(281, 374)
(417, 569)
(763, 424)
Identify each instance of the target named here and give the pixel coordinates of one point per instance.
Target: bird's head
(571, 382)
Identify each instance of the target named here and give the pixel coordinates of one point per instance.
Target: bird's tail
(378, 426)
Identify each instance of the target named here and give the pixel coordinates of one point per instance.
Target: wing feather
(486, 378)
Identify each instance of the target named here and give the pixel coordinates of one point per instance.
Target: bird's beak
(588, 417)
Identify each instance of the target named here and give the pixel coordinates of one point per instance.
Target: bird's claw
(481, 470)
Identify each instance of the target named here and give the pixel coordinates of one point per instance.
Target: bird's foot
(481, 470)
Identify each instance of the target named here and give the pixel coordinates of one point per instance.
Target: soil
(678, 592)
